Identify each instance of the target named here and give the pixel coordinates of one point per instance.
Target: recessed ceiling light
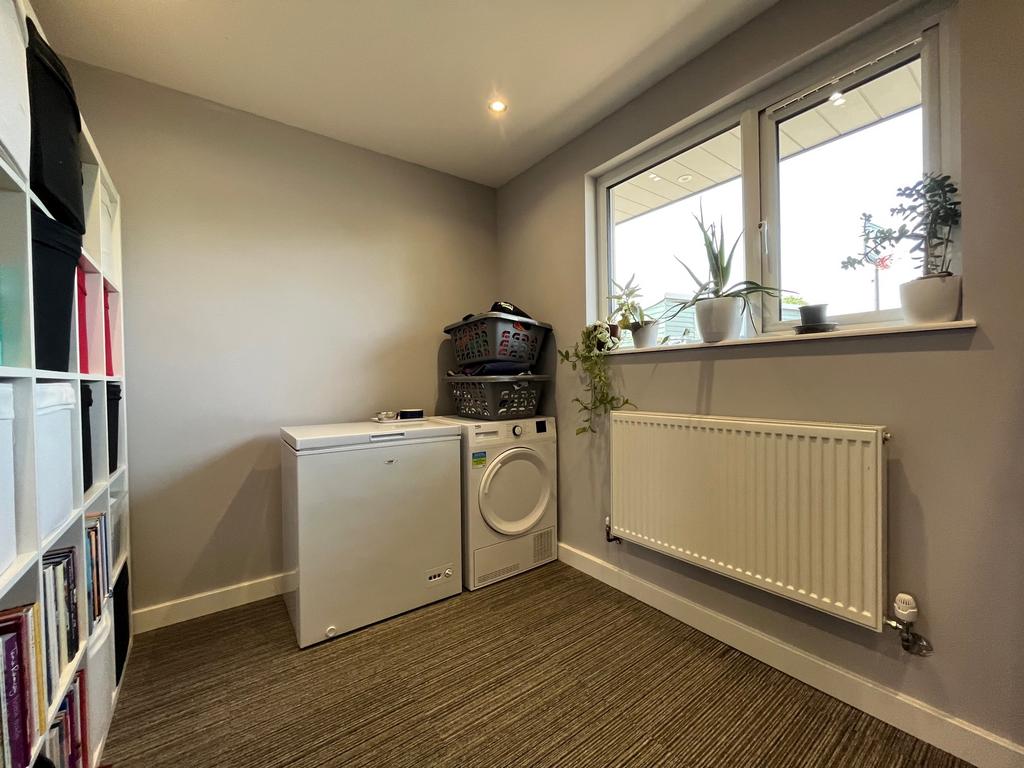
(685, 178)
(837, 99)
(654, 177)
(497, 106)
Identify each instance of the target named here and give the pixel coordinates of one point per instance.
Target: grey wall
(272, 277)
(954, 400)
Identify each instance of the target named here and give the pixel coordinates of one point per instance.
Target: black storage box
(86, 437)
(113, 407)
(122, 623)
(55, 252)
(56, 166)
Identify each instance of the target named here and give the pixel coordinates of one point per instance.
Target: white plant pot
(720, 319)
(646, 336)
(931, 299)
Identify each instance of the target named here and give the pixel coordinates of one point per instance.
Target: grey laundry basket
(494, 398)
(495, 337)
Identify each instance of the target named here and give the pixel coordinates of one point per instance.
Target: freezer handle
(387, 438)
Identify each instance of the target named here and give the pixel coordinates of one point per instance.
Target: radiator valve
(906, 613)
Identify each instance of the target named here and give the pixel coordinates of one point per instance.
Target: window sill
(792, 336)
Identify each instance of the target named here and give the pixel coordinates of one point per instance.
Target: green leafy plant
(628, 311)
(930, 214)
(718, 285)
(589, 355)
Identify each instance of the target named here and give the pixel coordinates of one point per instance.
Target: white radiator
(797, 509)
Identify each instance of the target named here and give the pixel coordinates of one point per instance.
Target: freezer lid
(320, 436)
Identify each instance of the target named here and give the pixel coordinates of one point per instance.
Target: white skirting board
(194, 606)
(956, 736)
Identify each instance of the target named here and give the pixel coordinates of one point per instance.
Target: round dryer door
(514, 491)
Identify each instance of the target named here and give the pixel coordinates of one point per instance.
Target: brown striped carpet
(548, 669)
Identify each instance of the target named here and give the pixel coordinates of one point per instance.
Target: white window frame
(931, 34)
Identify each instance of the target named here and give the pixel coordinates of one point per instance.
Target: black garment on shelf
(113, 407)
(56, 165)
(55, 253)
(86, 437)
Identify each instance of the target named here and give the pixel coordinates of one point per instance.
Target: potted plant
(719, 306)
(631, 315)
(930, 214)
(589, 355)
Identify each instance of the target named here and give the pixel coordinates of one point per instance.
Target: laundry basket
(495, 337)
(493, 398)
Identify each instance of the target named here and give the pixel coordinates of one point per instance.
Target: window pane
(844, 157)
(654, 223)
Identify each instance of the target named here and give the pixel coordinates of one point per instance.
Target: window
(655, 217)
(793, 169)
(840, 152)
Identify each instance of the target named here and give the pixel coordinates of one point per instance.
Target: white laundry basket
(8, 538)
(15, 123)
(55, 405)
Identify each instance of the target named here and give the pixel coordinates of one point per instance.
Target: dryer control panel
(538, 429)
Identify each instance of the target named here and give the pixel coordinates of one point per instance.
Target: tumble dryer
(509, 497)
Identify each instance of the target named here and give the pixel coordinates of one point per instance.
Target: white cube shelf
(43, 501)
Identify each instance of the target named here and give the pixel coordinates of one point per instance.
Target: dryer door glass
(514, 491)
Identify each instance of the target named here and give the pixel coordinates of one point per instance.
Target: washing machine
(509, 497)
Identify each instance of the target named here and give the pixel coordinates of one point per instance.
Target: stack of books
(97, 564)
(60, 614)
(23, 697)
(67, 741)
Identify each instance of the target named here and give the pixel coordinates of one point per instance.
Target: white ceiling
(408, 78)
(717, 160)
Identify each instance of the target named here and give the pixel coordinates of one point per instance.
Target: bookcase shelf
(22, 580)
(22, 564)
(55, 538)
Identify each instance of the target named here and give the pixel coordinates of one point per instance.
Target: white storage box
(15, 123)
(100, 681)
(8, 538)
(55, 405)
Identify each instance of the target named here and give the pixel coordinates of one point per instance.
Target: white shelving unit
(22, 582)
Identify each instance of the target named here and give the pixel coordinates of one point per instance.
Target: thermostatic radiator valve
(906, 613)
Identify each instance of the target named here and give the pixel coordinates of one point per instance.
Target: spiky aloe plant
(717, 286)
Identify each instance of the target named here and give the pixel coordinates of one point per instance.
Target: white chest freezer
(372, 522)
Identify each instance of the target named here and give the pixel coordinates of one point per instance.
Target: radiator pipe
(912, 642)
(608, 532)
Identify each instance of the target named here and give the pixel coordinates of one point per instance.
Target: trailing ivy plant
(589, 355)
(930, 214)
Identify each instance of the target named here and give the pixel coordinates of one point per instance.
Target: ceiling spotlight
(497, 106)
(686, 177)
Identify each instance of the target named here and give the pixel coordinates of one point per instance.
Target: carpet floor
(551, 668)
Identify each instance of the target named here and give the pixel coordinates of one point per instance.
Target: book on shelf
(97, 560)
(60, 609)
(23, 708)
(66, 743)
